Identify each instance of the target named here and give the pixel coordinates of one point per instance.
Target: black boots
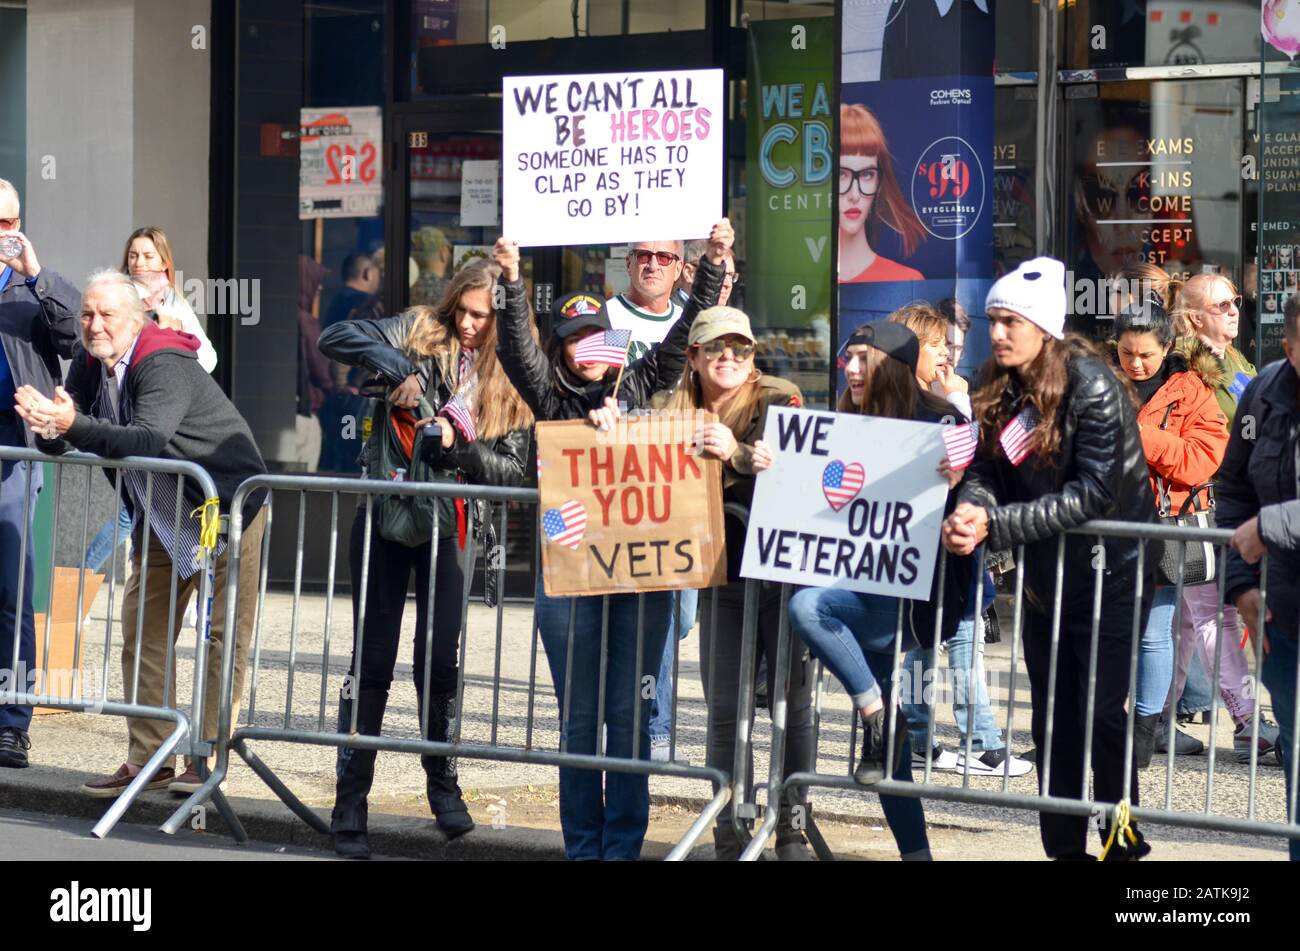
(871, 768)
(445, 800)
(1144, 738)
(354, 771)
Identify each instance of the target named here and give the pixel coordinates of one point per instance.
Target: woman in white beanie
(1059, 446)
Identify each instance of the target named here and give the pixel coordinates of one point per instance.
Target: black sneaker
(14, 744)
(871, 767)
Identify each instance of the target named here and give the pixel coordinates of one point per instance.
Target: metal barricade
(293, 725)
(167, 476)
(1206, 818)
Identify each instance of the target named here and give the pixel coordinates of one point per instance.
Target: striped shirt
(183, 550)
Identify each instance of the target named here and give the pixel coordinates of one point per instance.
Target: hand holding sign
(605, 418)
(721, 239)
(762, 458)
(506, 254)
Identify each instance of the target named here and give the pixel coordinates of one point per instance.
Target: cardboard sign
(629, 510)
(850, 502)
(602, 158)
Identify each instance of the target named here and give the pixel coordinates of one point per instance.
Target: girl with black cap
(853, 633)
(1059, 445)
(603, 816)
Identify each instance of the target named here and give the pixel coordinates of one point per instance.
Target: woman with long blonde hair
(720, 378)
(450, 408)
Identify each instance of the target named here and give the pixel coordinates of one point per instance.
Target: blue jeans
(920, 662)
(1197, 696)
(603, 816)
(904, 814)
(1156, 654)
(1278, 676)
(101, 546)
(661, 708)
(13, 486)
(843, 629)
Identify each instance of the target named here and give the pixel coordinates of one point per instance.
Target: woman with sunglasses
(720, 378)
(1210, 306)
(853, 633)
(602, 816)
(870, 197)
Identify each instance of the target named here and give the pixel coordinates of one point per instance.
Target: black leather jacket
(1261, 476)
(378, 345)
(551, 391)
(1101, 473)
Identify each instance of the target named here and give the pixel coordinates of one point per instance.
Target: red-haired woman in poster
(869, 196)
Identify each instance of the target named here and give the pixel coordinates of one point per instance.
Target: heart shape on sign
(566, 524)
(841, 482)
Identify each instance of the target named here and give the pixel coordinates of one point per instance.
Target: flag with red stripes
(457, 410)
(961, 442)
(609, 348)
(1018, 434)
(565, 525)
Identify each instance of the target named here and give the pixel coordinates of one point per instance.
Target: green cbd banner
(789, 199)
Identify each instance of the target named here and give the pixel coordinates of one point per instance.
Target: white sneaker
(659, 749)
(942, 760)
(993, 763)
(191, 614)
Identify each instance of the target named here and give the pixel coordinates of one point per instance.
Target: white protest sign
(478, 192)
(601, 158)
(341, 162)
(850, 502)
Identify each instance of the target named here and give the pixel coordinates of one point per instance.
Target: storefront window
(1154, 176)
(13, 96)
(1105, 33)
(1014, 147)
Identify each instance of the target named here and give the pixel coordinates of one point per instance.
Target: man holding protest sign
(602, 817)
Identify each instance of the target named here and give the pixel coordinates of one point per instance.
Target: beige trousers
(146, 735)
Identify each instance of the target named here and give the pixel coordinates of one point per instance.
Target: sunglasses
(665, 258)
(1223, 305)
(740, 350)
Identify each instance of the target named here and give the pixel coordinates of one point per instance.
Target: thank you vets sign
(851, 502)
(605, 158)
(630, 510)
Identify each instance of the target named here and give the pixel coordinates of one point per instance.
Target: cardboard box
(63, 631)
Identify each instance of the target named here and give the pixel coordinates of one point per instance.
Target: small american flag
(609, 348)
(1016, 436)
(961, 442)
(841, 483)
(458, 411)
(565, 525)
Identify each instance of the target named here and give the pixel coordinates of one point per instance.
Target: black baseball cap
(576, 311)
(895, 339)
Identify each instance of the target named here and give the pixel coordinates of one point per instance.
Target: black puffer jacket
(378, 345)
(1101, 473)
(1262, 477)
(554, 394)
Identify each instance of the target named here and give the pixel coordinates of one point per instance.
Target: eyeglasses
(730, 279)
(865, 177)
(665, 258)
(740, 350)
(1222, 306)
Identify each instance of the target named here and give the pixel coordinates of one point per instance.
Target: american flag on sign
(457, 410)
(841, 483)
(565, 525)
(1016, 436)
(609, 348)
(961, 442)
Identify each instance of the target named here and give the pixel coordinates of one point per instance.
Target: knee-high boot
(445, 800)
(354, 771)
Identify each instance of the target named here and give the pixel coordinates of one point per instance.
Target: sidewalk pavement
(68, 748)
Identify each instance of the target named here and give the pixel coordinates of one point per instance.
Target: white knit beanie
(1035, 291)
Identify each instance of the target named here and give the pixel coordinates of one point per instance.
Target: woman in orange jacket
(1184, 436)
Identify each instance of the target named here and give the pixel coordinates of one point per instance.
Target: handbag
(398, 455)
(1200, 561)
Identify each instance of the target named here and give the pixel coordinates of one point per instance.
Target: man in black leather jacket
(1031, 497)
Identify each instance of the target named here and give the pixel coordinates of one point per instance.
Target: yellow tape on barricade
(209, 514)
(1119, 827)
